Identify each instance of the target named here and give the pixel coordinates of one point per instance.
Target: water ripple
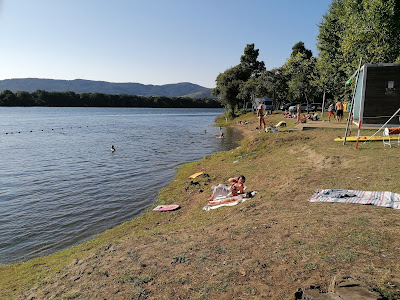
(60, 184)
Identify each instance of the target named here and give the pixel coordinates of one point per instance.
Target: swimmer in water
(112, 148)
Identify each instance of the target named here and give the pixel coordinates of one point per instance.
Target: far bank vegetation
(72, 99)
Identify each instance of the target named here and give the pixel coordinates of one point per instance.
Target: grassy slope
(264, 248)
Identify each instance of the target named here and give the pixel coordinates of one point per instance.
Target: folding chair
(390, 131)
(385, 135)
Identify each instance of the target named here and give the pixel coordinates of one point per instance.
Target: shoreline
(267, 247)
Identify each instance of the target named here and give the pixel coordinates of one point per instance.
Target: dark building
(377, 95)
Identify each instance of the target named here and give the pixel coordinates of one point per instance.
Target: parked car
(310, 107)
(287, 105)
(303, 108)
(318, 106)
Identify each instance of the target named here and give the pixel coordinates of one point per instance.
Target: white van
(266, 102)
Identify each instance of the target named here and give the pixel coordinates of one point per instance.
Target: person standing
(330, 112)
(298, 113)
(339, 111)
(260, 116)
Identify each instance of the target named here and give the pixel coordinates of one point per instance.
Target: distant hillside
(183, 89)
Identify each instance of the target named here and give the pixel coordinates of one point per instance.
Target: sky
(149, 41)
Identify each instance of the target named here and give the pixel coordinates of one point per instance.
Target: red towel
(394, 130)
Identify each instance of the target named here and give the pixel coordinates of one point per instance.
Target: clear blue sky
(149, 41)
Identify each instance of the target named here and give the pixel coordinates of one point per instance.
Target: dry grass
(264, 248)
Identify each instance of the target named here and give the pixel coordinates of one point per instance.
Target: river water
(60, 184)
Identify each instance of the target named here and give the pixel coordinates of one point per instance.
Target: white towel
(207, 208)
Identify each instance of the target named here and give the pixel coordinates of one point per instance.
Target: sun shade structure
(377, 96)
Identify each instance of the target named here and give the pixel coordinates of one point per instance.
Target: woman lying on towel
(230, 199)
(236, 187)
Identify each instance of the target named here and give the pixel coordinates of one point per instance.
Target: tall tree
(228, 87)
(275, 85)
(350, 30)
(300, 69)
(300, 48)
(249, 61)
(232, 86)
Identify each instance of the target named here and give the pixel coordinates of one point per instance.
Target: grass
(267, 247)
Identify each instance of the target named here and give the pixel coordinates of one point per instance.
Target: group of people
(339, 107)
(288, 115)
(301, 118)
(242, 122)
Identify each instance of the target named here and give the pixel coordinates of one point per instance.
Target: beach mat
(166, 207)
(383, 199)
(195, 175)
(364, 138)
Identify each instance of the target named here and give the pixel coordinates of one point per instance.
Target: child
(330, 112)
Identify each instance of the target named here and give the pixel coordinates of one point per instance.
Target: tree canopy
(232, 86)
(350, 30)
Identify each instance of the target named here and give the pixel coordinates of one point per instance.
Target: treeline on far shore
(72, 99)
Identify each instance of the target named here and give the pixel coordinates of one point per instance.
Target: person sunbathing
(314, 117)
(235, 189)
(229, 199)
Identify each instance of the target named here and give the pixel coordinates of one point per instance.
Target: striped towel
(384, 199)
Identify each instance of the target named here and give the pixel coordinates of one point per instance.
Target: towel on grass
(219, 198)
(384, 199)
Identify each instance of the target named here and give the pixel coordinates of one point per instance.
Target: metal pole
(358, 133)
(352, 106)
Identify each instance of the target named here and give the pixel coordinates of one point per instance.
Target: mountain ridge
(181, 89)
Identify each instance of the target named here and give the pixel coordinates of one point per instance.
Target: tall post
(323, 102)
(352, 107)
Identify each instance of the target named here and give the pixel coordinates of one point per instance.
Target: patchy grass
(267, 247)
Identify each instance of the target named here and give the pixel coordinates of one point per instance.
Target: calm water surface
(60, 184)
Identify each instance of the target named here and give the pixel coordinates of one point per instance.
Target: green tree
(350, 30)
(330, 65)
(372, 31)
(301, 72)
(7, 98)
(23, 99)
(249, 62)
(228, 87)
(41, 97)
(232, 86)
(275, 85)
(300, 48)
